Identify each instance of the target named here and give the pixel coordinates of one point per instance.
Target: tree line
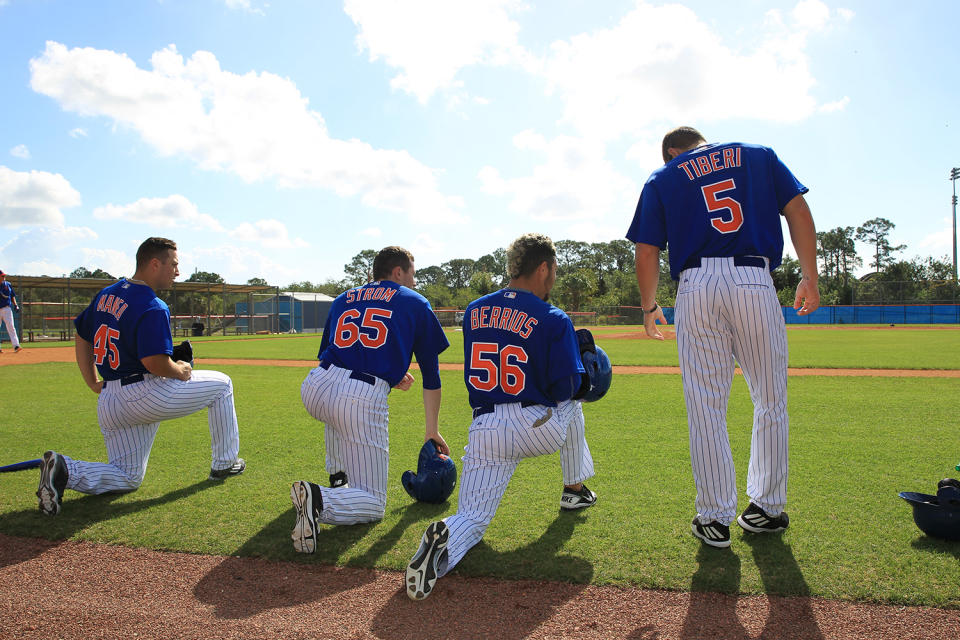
(602, 274)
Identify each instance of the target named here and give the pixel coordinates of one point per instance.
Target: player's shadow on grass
(236, 587)
(480, 612)
(790, 616)
(76, 515)
(788, 596)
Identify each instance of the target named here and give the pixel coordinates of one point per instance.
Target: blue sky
(279, 139)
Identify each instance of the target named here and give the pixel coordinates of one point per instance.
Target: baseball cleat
(712, 533)
(756, 520)
(17, 349)
(53, 481)
(233, 470)
(570, 499)
(307, 502)
(428, 562)
(339, 480)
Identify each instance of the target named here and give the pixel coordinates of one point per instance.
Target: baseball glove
(183, 352)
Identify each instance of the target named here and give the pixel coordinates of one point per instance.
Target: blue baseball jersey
(376, 328)
(518, 348)
(6, 294)
(125, 322)
(715, 201)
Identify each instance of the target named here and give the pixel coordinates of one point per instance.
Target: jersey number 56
(497, 367)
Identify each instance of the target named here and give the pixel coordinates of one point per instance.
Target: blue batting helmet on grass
(939, 515)
(435, 478)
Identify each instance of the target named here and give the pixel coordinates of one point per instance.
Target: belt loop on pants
(355, 375)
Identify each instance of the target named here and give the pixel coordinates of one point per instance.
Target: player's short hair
(527, 252)
(390, 258)
(680, 138)
(154, 248)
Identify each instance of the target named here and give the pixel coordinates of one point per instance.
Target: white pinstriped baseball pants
(356, 418)
(130, 415)
(497, 442)
(725, 312)
(6, 316)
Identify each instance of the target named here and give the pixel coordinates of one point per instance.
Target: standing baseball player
(718, 207)
(523, 373)
(370, 334)
(125, 336)
(8, 302)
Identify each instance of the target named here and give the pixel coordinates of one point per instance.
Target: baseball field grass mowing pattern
(855, 443)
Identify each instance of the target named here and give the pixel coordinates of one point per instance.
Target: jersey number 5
(486, 356)
(373, 334)
(730, 221)
(104, 346)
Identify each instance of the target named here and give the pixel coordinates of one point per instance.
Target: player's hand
(406, 383)
(186, 371)
(96, 387)
(808, 297)
(650, 321)
(436, 437)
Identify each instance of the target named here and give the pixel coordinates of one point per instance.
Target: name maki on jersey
(503, 318)
(114, 305)
(702, 165)
(370, 293)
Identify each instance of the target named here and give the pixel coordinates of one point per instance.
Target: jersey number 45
(105, 347)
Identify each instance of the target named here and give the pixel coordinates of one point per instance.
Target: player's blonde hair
(388, 259)
(680, 138)
(527, 252)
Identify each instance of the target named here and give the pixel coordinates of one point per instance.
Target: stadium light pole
(954, 175)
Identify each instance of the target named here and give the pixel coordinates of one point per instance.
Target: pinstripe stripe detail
(355, 417)
(497, 442)
(725, 314)
(130, 416)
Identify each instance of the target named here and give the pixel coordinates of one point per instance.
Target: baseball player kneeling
(124, 335)
(524, 377)
(369, 338)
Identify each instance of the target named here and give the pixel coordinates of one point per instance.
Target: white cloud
(372, 232)
(238, 264)
(268, 233)
(838, 105)
(20, 151)
(116, 263)
(171, 211)
(78, 133)
(257, 125)
(662, 65)
(34, 198)
(244, 5)
(845, 14)
(430, 41)
(43, 267)
(577, 181)
(941, 240)
(28, 250)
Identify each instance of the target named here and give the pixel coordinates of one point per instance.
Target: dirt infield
(85, 590)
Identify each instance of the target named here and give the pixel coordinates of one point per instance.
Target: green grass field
(855, 443)
(879, 347)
